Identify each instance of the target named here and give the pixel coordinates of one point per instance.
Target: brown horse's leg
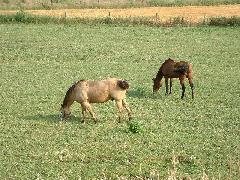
(183, 86)
(166, 83)
(171, 80)
(89, 108)
(120, 108)
(125, 105)
(192, 86)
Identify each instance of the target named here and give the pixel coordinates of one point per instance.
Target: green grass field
(195, 139)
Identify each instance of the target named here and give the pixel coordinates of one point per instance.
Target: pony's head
(156, 85)
(65, 112)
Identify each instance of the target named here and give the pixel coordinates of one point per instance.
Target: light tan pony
(86, 92)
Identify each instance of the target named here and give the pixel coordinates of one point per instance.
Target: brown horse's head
(65, 112)
(156, 85)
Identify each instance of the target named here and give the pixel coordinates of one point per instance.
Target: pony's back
(104, 90)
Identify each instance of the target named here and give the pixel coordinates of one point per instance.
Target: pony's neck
(68, 99)
(67, 104)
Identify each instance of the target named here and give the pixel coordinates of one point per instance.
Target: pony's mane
(69, 92)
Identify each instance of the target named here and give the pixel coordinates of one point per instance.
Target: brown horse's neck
(159, 75)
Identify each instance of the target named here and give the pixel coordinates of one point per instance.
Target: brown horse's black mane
(68, 93)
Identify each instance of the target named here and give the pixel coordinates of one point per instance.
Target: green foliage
(224, 21)
(134, 127)
(6, 1)
(40, 61)
(22, 17)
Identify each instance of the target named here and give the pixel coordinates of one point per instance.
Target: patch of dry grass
(192, 14)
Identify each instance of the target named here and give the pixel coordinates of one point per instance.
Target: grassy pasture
(185, 138)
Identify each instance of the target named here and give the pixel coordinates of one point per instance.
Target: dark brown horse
(174, 69)
(86, 92)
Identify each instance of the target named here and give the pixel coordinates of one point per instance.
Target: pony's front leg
(84, 112)
(88, 107)
(125, 105)
(120, 108)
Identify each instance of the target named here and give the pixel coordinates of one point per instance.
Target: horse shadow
(54, 118)
(141, 93)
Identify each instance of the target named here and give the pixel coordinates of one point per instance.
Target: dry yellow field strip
(191, 13)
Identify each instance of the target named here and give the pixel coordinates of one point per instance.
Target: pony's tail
(182, 69)
(123, 84)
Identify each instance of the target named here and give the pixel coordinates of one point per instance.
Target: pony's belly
(98, 99)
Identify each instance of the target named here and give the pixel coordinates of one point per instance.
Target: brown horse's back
(172, 69)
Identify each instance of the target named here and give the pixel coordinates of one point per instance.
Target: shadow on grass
(51, 118)
(140, 92)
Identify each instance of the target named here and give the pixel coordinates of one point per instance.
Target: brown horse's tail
(181, 69)
(123, 84)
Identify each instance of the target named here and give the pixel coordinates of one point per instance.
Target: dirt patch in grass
(190, 13)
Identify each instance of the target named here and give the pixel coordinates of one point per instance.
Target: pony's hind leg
(119, 104)
(125, 105)
(88, 107)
